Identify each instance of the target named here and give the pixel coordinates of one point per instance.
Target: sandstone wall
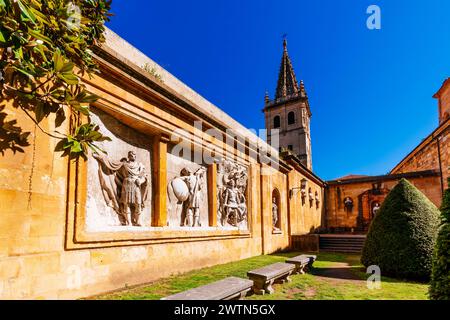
(46, 251)
(431, 154)
(339, 217)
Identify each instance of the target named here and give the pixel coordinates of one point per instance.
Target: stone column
(212, 194)
(160, 181)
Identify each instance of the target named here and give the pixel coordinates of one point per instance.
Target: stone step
(335, 243)
(344, 250)
(341, 244)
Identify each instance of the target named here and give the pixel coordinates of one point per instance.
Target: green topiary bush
(440, 278)
(403, 234)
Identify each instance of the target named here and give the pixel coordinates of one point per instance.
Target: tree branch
(37, 124)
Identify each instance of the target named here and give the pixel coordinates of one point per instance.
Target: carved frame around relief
(232, 194)
(78, 238)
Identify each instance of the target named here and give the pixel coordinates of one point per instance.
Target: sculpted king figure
(124, 185)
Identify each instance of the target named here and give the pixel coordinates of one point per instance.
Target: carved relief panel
(187, 193)
(119, 184)
(232, 199)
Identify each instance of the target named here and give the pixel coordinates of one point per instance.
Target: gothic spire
(287, 83)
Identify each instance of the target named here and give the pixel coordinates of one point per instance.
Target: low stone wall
(305, 242)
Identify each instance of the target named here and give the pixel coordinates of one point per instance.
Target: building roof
(288, 89)
(386, 177)
(287, 82)
(351, 176)
(442, 88)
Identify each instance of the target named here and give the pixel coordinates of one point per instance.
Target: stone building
(290, 113)
(350, 200)
(151, 207)
(146, 209)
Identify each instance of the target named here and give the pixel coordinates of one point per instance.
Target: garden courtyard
(335, 276)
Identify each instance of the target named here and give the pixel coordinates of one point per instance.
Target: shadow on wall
(12, 137)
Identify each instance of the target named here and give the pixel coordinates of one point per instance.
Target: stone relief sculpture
(234, 206)
(124, 186)
(187, 190)
(231, 191)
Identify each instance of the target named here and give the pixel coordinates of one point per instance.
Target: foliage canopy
(45, 49)
(440, 277)
(402, 235)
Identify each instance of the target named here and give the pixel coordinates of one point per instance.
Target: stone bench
(263, 278)
(312, 258)
(226, 289)
(300, 262)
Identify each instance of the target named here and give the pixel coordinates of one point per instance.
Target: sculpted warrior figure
(274, 214)
(191, 206)
(124, 186)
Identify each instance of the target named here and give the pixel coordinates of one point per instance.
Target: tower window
(276, 122)
(291, 117)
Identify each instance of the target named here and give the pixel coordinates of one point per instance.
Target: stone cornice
(408, 175)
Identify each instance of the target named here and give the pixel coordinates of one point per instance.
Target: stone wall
(443, 96)
(364, 192)
(53, 243)
(431, 154)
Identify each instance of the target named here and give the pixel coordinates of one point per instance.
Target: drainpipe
(261, 206)
(440, 165)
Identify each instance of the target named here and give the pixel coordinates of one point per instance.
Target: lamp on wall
(302, 188)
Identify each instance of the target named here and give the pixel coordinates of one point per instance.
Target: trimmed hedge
(403, 234)
(440, 278)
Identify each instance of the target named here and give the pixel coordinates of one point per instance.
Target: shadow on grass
(343, 273)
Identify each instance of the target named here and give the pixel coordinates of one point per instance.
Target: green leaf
(38, 15)
(76, 147)
(68, 78)
(58, 61)
(26, 12)
(89, 98)
(60, 117)
(25, 72)
(39, 111)
(4, 35)
(67, 67)
(38, 35)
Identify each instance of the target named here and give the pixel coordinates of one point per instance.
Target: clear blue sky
(370, 90)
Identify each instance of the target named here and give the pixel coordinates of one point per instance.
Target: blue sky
(370, 90)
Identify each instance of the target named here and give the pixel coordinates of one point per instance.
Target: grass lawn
(335, 277)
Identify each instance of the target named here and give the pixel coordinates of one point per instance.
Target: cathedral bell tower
(289, 112)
